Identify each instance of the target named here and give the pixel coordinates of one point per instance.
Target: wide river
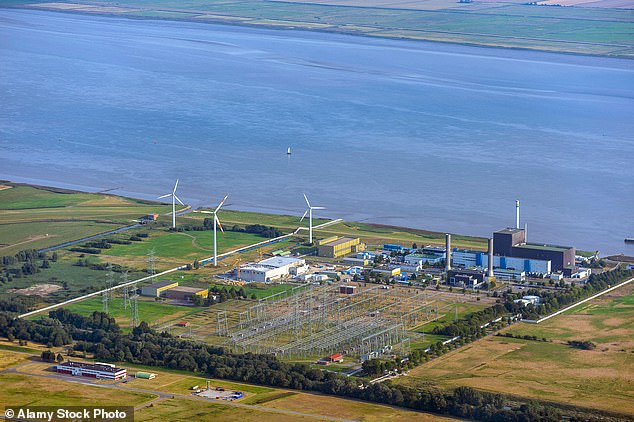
(434, 136)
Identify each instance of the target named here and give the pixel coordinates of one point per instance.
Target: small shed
(145, 375)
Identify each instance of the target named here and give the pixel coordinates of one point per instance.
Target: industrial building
(469, 258)
(184, 293)
(92, 370)
(511, 242)
(155, 289)
(466, 278)
(347, 290)
(335, 247)
(425, 258)
(270, 269)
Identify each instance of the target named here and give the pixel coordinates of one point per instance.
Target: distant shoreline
(374, 225)
(244, 22)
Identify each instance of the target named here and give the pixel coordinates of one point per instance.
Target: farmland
(602, 378)
(34, 218)
(601, 30)
(24, 380)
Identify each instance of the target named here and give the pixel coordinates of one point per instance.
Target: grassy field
(185, 246)
(370, 233)
(34, 218)
(602, 378)
(33, 386)
(150, 311)
(21, 390)
(601, 31)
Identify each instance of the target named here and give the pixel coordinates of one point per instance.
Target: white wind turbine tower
(216, 223)
(309, 211)
(174, 199)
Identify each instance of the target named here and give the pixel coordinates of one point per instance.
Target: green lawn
(35, 218)
(185, 246)
(149, 310)
(24, 197)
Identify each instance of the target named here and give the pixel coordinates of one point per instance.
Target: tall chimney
(517, 213)
(490, 271)
(448, 252)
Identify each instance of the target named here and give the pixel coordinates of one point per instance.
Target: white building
(270, 269)
(92, 370)
(503, 274)
(424, 258)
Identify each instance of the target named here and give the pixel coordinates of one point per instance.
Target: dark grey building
(512, 242)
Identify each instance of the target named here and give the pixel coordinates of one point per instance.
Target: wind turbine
(309, 211)
(216, 223)
(174, 199)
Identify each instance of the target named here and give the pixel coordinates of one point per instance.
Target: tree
(196, 264)
(60, 358)
(414, 245)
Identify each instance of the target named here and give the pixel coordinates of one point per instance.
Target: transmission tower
(126, 294)
(104, 301)
(107, 291)
(151, 260)
(134, 307)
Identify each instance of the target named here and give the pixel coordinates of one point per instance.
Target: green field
(34, 218)
(601, 378)
(372, 233)
(600, 31)
(22, 390)
(149, 310)
(185, 246)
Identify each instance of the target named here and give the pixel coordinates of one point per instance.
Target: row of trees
(99, 335)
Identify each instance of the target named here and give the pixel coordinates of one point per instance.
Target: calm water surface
(424, 135)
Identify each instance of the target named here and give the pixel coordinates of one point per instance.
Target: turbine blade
(304, 216)
(176, 197)
(206, 212)
(221, 203)
(175, 186)
(164, 196)
(306, 198)
(219, 225)
(319, 208)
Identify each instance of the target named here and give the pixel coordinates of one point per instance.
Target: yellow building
(155, 289)
(335, 247)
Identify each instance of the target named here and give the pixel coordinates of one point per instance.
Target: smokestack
(448, 252)
(490, 271)
(525, 232)
(517, 213)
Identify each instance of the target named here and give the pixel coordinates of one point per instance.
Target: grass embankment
(374, 234)
(554, 371)
(497, 24)
(35, 218)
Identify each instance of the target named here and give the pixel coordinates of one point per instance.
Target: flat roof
(162, 283)
(543, 247)
(186, 289)
(340, 241)
(426, 255)
(91, 366)
(279, 261)
(509, 230)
